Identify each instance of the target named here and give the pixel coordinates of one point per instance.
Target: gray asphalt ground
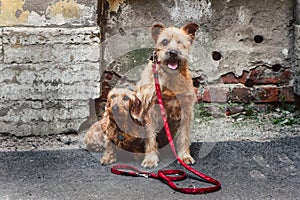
(247, 170)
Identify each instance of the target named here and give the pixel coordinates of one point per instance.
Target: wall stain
(12, 12)
(114, 5)
(68, 9)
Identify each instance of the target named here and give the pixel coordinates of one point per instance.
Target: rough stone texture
(40, 45)
(247, 170)
(228, 27)
(239, 42)
(49, 65)
(52, 55)
(49, 12)
(297, 62)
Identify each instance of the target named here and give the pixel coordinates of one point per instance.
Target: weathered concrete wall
(48, 12)
(244, 50)
(297, 62)
(53, 52)
(49, 65)
(297, 50)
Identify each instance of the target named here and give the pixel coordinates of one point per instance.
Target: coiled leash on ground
(168, 176)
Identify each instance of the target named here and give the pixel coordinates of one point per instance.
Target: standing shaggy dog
(172, 47)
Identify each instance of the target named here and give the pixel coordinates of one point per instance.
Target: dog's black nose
(115, 108)
(173, 53)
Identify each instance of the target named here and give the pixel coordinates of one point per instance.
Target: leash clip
(153, 58)
(143, 175)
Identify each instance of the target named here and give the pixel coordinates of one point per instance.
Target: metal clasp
(143, 175)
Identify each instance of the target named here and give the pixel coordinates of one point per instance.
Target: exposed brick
(105, 88)
(287, 94)
(240, 95)
(230, 78)
(268, 94)
(234, 110)
(109, 76)
(21, 119)
(217, 94)
(297, 101)
(42, 45)
(49, 81)
(263, 75)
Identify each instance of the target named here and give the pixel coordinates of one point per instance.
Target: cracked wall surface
(49, 65)
(244, 50)
(297, 51)
(54, 53)
(46, 13)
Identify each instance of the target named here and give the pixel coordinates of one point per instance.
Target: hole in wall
(216, 55)
(276, 67)
(258, 39)
(196, 83)
(249, 83)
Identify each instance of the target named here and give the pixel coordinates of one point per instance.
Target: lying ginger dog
(117, 129)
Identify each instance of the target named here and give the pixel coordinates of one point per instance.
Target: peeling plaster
(35, 19)
(244, 15)
(65, 8)
(193, 10)
(114, 5)
(39, 13)
(12, 12)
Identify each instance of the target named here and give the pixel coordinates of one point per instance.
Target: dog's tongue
(173, 66)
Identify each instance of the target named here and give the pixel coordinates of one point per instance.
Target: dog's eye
(125, 98)
(112, 96)
(165, 42)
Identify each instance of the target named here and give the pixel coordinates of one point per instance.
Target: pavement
(246, 169)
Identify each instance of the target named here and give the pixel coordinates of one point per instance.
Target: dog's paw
(187, 159)
(107, 160)
(151, 160)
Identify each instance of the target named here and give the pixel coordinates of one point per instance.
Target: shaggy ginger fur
(117, 128)
(172, 48)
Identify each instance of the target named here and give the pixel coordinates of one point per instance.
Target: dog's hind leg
(94, 138)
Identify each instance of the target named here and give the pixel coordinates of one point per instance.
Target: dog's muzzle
(173, 59)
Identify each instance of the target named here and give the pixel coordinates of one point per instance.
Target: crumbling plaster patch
(65, 8)
(12, 12)
(41, 13)
(114, 5)
(193, 10)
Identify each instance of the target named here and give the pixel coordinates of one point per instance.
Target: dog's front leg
(109, 156)
(151, 146)
(151, 157)
(183, 137)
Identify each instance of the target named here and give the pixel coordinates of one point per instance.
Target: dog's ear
(136, 108)
(190, 29)
(155, 30)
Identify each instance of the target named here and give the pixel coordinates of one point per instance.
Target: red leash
(168, 176)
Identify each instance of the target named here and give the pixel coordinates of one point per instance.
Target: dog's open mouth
(173, 63)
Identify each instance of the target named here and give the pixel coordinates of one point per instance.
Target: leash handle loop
(168, 175)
